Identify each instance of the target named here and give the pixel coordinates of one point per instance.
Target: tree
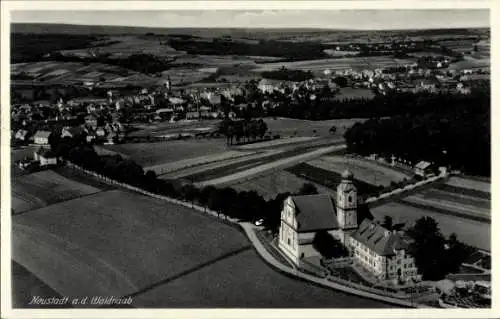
(328, 246)
(387, 223)
(428, 248)
(308, 189)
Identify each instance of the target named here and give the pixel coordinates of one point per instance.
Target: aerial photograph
(250, 159)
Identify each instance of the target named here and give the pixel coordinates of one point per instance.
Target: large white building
(381, 252)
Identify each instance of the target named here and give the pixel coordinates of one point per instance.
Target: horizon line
(252, 28)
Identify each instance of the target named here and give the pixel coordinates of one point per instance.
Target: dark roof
(315, 212)
(45, 153)
(379, 239)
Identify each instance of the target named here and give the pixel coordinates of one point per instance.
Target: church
(376, 249)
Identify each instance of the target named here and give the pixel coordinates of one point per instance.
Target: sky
(328, 19)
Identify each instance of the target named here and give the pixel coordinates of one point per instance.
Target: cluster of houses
(403, 78)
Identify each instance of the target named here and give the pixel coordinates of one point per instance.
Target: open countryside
(251, 168)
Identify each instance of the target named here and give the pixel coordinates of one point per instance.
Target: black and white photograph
(212, 158)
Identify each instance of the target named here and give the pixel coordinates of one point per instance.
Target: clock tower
(347, 202)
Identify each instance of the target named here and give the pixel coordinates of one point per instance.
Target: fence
(205, 210)
(337, 262)
(405, 188)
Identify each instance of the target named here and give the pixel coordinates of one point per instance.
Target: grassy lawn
(326, 178)
(274, 183)
(44, 188)
(116, 243)
(245, 281)
(149, 154)
(471, 232)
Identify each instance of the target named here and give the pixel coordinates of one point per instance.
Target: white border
(7, 6)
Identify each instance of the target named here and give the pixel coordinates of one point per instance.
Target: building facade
(381, 252)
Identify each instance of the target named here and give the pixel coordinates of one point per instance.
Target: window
(288, 241)
(349, 199)
(301, 255)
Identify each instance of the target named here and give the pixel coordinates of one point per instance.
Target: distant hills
(40, 28)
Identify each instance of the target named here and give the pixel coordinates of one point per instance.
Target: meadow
(149, 154)
(44, 188)
(274, 183)
(357, 63)
(117, 243)
(287, 127)
(327, 178)
(363, 170)
(245, 281)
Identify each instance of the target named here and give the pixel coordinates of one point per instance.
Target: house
(100, 132)
(423, 168)
(266, 86)
(303, 216)
(91, 137)
(42, 137)
(22, 135)
(383, 253)
(91, 121)
(71, 132)
(45, 157)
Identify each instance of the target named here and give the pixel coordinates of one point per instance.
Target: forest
(444, 129)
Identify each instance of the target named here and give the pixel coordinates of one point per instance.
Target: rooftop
(379, 239)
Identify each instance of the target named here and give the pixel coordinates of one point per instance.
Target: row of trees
(242, 130)
(244, 205)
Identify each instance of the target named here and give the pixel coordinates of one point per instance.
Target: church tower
(347, 202)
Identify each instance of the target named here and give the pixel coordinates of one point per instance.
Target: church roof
(315, 212)
(379, 239)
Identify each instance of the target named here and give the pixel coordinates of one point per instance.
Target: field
(278, 142)
(165, 128)
(471, 63)
(472, 232)
(357, 63)
(327, 178)
(228, 163)
(149, 154)
(44, 188)
(185, 163)
(365, 171)
(469, 184)
(292, 127)
(274, 183)
(117, 243)
(73, 73)
(452, 202)
(245, 281)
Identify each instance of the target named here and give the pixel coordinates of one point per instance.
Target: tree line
(452, 132)
(246, 130)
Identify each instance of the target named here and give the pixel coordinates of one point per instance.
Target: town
(147, 165)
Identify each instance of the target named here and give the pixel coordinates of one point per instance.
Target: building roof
(377, 238)
(315, 212)
(42, 134)
(422, 165)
